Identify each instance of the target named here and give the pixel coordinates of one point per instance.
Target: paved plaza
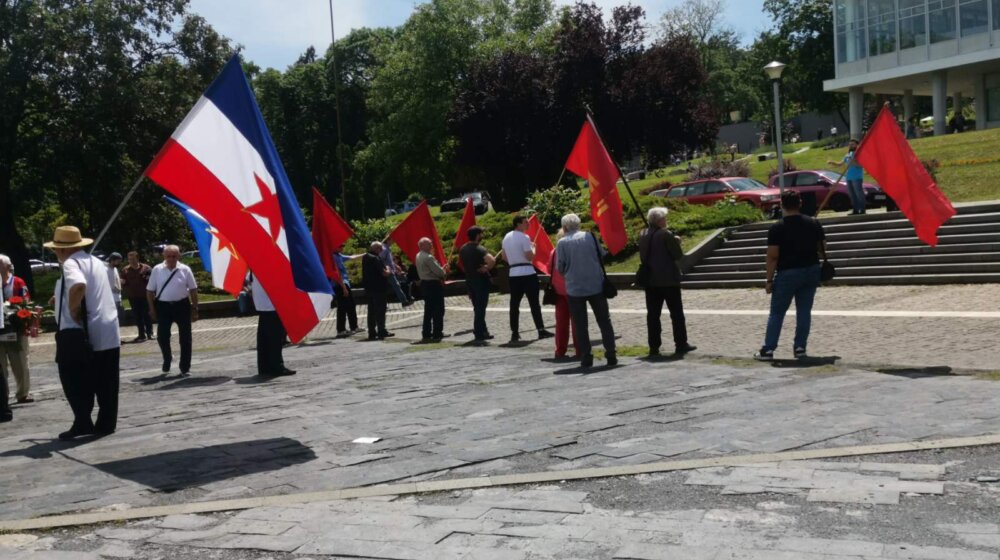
(892, 366)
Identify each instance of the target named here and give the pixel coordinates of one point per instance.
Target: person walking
(87, 337)
(134, 278)
(172, 294)
(854, 176)
(519, 251)
(579, 260)
(270, 334)
(375, 275)
(394, 273)
(660, 251)
(794, 248)
(564, 326)
(347, 311)
(432, 276)
(477, 263)
(14, 354)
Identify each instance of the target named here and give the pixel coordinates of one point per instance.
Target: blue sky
(276, 32)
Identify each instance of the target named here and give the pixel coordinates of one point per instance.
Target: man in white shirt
(172, 294)
(270, 334)
(519, 251)
(87, 340)
(114, 278)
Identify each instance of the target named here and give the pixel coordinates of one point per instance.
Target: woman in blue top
(854, 176)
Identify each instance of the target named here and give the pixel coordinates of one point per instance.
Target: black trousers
(347, 311)
(169, 313)
(655, 297)
(86, 377)
(270, 340)
(376, 314)
(433, 292)
(479, 293)
(140, 314)
(524, 286)
(4, 392)
(578, 310)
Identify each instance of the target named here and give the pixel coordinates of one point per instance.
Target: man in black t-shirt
(477, 263)
(375, 274)
(794, 248)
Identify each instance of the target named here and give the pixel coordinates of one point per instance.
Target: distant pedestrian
(854, 176)
(660, 250)
(519, 251)
(14, 354)
(134, 278)
(833, 131)
(270, 334)
(347, 314)
(394, 273)
(6, 415)
(819, 134)
(87, 338)
(432, 276)
(114, 278)
(579, 260)
(477, 263)
(795, 246)
(172, 294)
(564, 323)
(375, 274)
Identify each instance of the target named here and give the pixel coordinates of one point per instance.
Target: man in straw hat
(87, 340)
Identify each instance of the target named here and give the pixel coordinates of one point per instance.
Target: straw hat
(67, 237)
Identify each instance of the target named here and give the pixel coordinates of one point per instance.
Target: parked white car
(41, 267)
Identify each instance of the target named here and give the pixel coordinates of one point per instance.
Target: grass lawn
(688, 242)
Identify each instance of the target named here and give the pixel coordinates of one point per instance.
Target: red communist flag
(468, 220)
(887, 156)
(543, 245)
(589, 160)
(418, 224)
(329, 232)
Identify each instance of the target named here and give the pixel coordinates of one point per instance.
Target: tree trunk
(11, 242)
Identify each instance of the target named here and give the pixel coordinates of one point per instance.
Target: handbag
(608, 289)
(549, 295)
(642, 273)
(826, 271)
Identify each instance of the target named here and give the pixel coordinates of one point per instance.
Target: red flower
(24, 313)
(14, 300)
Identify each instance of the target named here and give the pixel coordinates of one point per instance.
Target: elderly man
(172, 294)
(660, 251)
(477, 263)
(134, 278)
(432, 276)
(14, 354)
(375, 274)
(87, 338)
(270, 334)
(578, 259)
(519, 251)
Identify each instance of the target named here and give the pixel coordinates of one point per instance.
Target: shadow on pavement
(44, 449)
(581, 370)
(176, 470)
(811, 361)
(918, 372)
(254, 380)
(196, 382)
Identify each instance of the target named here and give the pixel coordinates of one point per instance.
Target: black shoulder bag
(609, 290)
(72, 345)
(642, 273)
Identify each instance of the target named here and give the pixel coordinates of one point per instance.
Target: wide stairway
(870, 250)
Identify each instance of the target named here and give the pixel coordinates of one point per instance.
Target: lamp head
(774, 70)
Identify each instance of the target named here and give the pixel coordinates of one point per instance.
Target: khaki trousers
(16, 354)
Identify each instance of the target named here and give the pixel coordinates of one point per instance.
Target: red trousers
(563, 326)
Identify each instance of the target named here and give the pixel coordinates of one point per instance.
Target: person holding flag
(347, 310)
(519, 251)
(270, 334)
(854, 176)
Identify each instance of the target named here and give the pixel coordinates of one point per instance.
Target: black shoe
(544, 334)
(515, 337)
(166, 367)
(139, 339)
(285, 372)
(75, 432)
(488, 337)
(440, 336)
(408, 303)
(373, 337)
(681, 350)
(387, 335)
(764, 355)
(653, 353)
(587, 361)
(612, 359)
(6, 417)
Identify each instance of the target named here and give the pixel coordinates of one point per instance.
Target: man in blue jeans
(477, 263)
(794, 247)
(854, 176)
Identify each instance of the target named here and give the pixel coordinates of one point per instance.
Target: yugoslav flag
(222, 163)
(218, 256)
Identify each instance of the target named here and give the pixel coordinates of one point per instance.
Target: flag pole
(118, 211)
(590, 119)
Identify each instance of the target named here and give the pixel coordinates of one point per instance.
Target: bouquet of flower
(21, 318)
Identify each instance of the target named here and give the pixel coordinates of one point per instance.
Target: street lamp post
(336, 99)
(773, 71)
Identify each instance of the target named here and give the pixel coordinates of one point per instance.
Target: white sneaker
(800, 353)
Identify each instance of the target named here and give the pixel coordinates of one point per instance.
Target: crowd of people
(87, 302)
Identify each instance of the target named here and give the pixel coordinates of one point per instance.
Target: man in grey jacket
(578, 258)
(432, 276)
(660, 250)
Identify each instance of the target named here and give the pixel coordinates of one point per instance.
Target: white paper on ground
(367, 440)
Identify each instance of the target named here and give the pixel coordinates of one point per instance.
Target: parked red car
(709, 191)
(820, 181)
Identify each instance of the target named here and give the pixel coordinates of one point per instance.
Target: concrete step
(719, 257)
(846, 262)
(901, 270)
(903, 223)
(897, 233)
(730, 249)
(894, 280)
(962, 209)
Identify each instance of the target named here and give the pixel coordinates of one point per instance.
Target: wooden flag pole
(118, 211)
(590, 119)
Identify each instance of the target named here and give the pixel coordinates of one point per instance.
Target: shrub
(831, 141)
(370, 230)
(719, 168)
(789, 166)
(550, 205)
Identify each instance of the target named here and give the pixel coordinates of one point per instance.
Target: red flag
(418, 224)
(887, 156)
(543, 245)
(329, 231)
(590, 160)
(468, 220)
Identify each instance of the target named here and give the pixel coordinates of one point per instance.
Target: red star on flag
(268, 207)
(224, 243)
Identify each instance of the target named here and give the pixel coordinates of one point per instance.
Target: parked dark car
(709, 191)
(401, 208)
(480, 201)
(821, 181)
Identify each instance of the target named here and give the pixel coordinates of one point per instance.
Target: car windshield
(829, 175)
(476, 197)
(746, 184)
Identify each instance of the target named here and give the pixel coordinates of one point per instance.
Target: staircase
(874, 249)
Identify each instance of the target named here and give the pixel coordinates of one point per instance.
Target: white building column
(981, 102)
(856, 109)
(940, 102)
(907, 105)
(957, 102)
